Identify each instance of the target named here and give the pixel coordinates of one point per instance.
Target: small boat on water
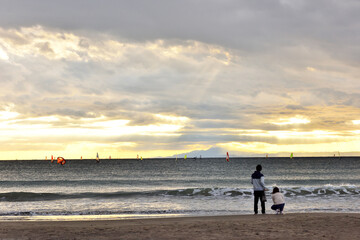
(97, 158)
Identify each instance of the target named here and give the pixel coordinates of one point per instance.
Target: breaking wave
(327, 190)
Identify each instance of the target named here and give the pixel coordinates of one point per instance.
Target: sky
(159, 78)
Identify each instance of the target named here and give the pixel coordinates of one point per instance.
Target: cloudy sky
(160, 78)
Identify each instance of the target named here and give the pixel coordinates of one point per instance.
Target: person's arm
(262, 183)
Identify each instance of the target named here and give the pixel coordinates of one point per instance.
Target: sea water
(120, 188)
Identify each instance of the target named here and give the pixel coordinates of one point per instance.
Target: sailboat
(97, 157)
(227, 156)
(291, 156)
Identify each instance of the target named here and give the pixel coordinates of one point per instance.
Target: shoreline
(269, 226)
(128, 217)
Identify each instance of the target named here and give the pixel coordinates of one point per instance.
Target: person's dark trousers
(258, 195)
(278, 206)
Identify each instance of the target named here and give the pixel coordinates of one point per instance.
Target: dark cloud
(295, 107)
(240, 24)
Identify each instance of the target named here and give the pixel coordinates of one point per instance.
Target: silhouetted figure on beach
(257, 180)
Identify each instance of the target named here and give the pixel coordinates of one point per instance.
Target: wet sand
(269, 226)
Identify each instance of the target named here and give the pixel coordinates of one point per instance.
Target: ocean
(128, 188)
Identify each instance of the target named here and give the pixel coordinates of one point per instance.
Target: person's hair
(275, 190)
(258, 168)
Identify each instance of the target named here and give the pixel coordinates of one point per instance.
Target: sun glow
(172, 119)
(294, 120)
(5, 115)
(97, 127)
(75, 135)
(311, 69)
(356, 122)
(3, 55)
(294, 134)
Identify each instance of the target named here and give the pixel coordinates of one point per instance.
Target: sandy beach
(269, 226)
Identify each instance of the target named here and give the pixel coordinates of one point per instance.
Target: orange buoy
(61, 160)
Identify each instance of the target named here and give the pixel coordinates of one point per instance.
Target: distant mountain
(211, 152)
(216, 152)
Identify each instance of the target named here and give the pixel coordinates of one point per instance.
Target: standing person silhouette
(257, 180)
